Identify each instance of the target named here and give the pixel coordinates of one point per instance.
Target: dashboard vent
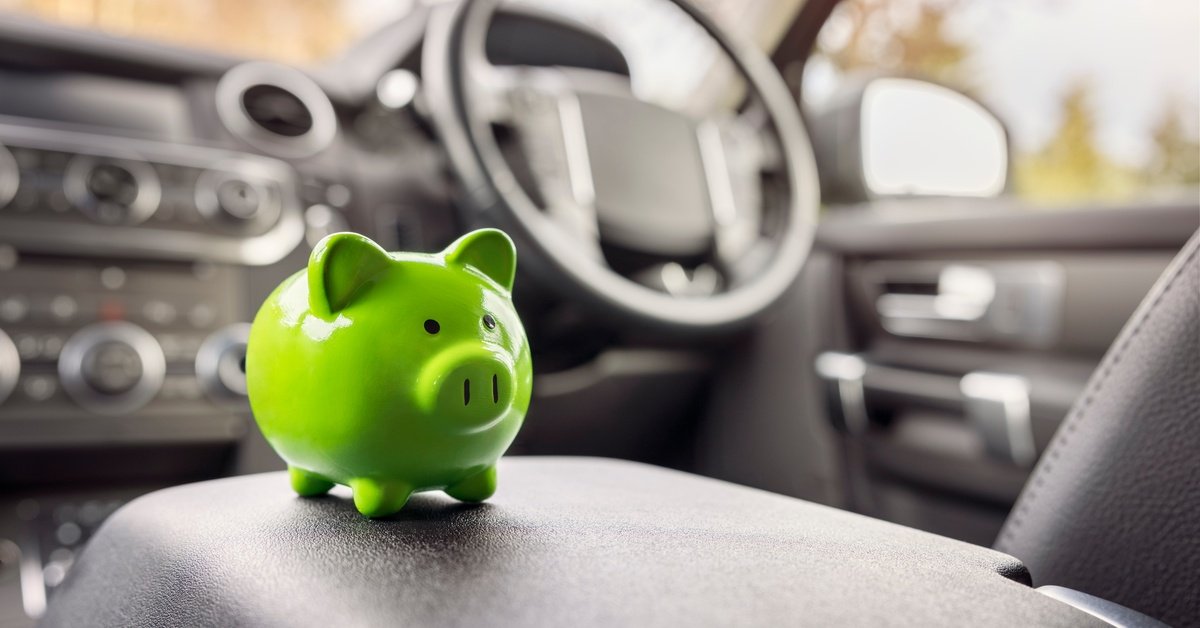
(277, 109)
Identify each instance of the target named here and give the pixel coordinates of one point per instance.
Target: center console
(124, 311)
(122, 306)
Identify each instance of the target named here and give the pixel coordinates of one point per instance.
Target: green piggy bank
(392, 373)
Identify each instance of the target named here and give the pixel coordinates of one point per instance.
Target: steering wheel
(602, 171)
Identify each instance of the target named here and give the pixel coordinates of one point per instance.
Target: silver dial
(113, 367)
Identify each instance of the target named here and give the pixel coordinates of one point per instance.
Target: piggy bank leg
(307, 483)
(375, 498)
(476, 488)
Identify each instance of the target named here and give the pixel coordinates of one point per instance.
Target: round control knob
(112, 191)
(238, 199)
(221, 363)
(230, 198)
(10, 366)
(110, 183)
(112, 367)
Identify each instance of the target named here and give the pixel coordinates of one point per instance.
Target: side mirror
(890, 137)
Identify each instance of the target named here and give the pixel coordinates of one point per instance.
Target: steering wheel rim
(457, 31)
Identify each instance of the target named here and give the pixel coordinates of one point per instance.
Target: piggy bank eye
(489, 321)
(432, 326)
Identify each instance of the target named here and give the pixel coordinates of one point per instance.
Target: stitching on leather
(1073, 419)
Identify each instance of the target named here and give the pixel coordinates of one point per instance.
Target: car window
(1101, 98)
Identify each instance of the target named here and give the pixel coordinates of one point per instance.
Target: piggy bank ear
(340, 265)
(489, 251)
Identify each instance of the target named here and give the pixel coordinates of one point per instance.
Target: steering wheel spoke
(546, 119)
(730, 150)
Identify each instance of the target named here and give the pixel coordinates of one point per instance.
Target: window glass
(673, 60)
(1101, 98)
(301, 32)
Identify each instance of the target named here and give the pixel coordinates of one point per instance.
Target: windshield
(672, 60)
(298, 32)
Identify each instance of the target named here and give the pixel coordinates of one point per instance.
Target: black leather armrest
(564, 542)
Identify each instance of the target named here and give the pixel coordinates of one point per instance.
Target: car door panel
(923, 457)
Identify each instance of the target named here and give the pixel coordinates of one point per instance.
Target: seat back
(1113, 507)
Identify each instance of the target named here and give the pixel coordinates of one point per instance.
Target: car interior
(841, 312)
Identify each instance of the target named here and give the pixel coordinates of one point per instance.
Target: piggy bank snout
(468, 388)
(482, 381)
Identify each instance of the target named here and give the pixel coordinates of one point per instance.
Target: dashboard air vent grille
(277, 110)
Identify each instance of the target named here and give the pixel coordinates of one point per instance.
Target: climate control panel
(76, 193)
(119, 350)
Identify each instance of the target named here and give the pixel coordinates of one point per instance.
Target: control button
(63, 308)
(397, 90)
(91, 512)
(228, 197)
(113, 367)
(53, 574)
(221, 363)
(61, 560)
(111, 311)
(159, 312)
(112, 183)
(337, 195)
(238, 199)
(112, 191)
(112, 277)
(13, 309)
(28, 346)
(39, 387)
(10, 366)
(51, 346)
(68, 533)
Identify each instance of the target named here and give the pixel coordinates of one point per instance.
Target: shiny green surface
(350, 385)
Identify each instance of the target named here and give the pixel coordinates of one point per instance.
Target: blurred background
(1111, 116)
(999, 183)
